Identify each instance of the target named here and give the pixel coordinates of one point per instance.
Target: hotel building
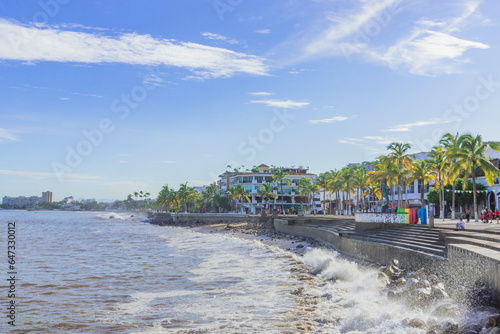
(252, 181)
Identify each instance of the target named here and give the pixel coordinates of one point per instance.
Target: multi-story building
(22, 202)
(47, 196)
(252, 181)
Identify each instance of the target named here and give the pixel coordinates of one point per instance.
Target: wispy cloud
(217, 37)
(154, 80)
(350, 142)
(51, 44)
(263, 31)
(288, 104)
(7, 136)
(427, 47)
(407, 127)
(64, 98)
(261, 93)
(334, 119)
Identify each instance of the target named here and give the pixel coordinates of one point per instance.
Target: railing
(379, 217)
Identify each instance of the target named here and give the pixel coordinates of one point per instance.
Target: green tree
(423, 172)
(402, 160)
(267, 192)
(279, 178)
(308, 188)
(469, 157)
(324, 181)
(451, 144)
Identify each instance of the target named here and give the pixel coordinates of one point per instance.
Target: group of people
(488, 216)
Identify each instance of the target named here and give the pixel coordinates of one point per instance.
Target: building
(47, 196)
(253, 180)
(67, 200)
(21, 202)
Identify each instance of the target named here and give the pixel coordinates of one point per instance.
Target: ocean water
(87, 273)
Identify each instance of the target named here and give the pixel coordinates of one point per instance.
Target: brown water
(86, 273)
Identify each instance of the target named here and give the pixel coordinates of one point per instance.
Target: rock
(450, 328)
(395, 262)
(384, 278)
(411, 284)
(445, 310)
(300, 246)
(439, 293)
(417, 323)
(491, 322)
(493, 330)
(400, 282)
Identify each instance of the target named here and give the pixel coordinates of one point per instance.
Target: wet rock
(417, 323)
(445, 310)
(450, 328)
(491, 322)
(395, 262)
(438, 292)
(298, 291)
(300, 246)
(493, 330)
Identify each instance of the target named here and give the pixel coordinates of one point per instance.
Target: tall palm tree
(211, 191)
(324, 181)
(345, 178)
(308, 188)
(471, 156)
(335, 186)
(184, 194)
(438, 162)
(383, 173)
(399, 156)
(360, 181)
(239, 192)
(267, 192)
(423, 172)
(279, 179)
(451, 144)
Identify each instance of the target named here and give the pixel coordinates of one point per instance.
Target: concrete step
(407, 236)
(415, 242)
(426, 248)
(472, 241)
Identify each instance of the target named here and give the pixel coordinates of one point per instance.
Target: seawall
(463, 266)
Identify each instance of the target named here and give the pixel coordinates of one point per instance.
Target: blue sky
(99, 99)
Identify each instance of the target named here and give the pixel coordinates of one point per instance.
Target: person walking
(467, 215)
(497, 214)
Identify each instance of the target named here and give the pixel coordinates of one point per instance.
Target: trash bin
(422, 214)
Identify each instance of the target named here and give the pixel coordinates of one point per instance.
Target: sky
(99, 99)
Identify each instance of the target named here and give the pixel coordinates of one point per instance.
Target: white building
(253, 181)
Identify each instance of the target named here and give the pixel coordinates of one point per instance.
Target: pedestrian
(467, 215)
(492, 216)
(497, 213)
(483, 215)
(486, 216)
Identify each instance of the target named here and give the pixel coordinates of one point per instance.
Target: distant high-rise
(47, 196)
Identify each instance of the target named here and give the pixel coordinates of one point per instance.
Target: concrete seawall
(206, 218)
(364, 250)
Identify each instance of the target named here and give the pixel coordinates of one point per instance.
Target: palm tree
(324, 181)
(451, 144)
(308, 188)
(403, 161)
(383, 173)
(211, 191)
(423, 172)
(360, 181)
(345, 178)
(239, 192)
(335, 186)
(184, 194)
(279, 178)
(471, 156)
(267, 192)
(438, 163)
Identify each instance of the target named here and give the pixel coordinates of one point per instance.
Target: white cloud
(428, 47)
(261, 93)
(344, 141)
(263, 31)
(283, 103)
(217, 37)
(154, 80)
(407, 127)
(7, 136)
(334, 119)
(32, 44)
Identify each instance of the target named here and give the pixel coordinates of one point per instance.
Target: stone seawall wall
(364, 250)
(205, 218)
